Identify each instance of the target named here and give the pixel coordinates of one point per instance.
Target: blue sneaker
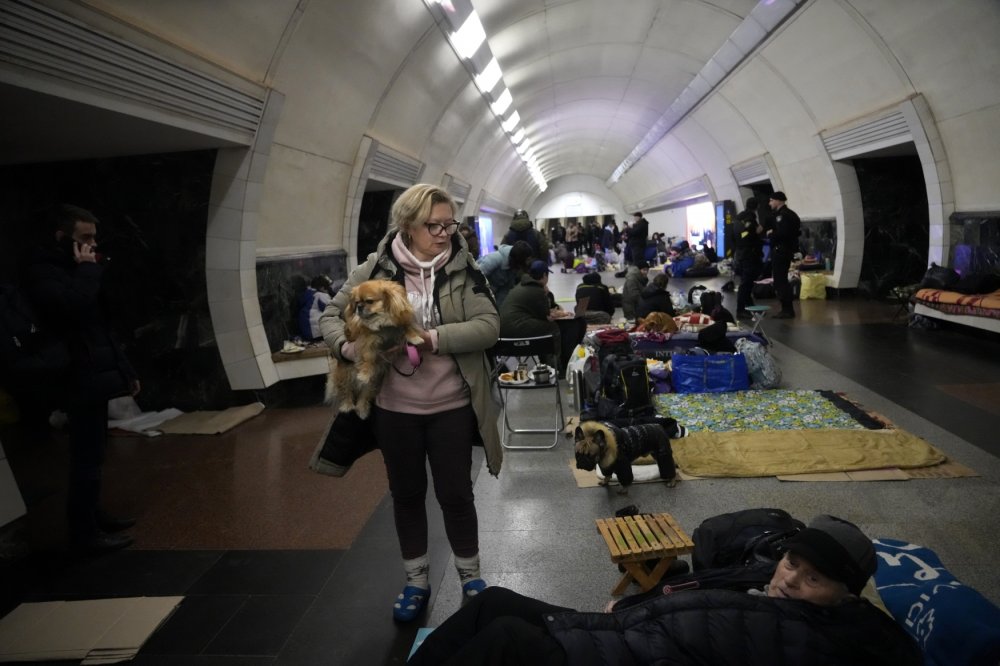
(409, 604)
(472, 588)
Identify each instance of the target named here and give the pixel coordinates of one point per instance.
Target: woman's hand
(428, 343)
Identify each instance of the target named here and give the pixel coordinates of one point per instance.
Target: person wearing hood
(521, 228)
(438, 407)
(504, 268)
(635, 282)
(64, 283)
(655, 297)
(810, 612)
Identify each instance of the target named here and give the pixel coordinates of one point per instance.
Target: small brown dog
(379, 322)
(657, 322)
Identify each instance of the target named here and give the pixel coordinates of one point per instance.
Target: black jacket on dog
(614, 447)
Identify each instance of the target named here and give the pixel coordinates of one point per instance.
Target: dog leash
(413, 354)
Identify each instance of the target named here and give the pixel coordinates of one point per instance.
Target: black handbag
(347, 438)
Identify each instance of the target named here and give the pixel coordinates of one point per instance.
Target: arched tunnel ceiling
(591, 78)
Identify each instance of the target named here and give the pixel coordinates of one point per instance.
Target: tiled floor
(280, 566)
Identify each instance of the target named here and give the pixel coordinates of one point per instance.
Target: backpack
(695, 292)
(626, 388)
(28, 352)
(740, 538)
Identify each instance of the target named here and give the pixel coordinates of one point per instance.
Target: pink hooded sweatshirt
(435, 386)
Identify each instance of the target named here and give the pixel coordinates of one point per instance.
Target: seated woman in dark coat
(655, 298)
(599, 307)
(809, 613)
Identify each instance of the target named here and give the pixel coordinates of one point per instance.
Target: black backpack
(28, 352)
(741, 537)
(626, 389)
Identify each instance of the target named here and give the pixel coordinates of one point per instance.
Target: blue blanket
(953, 624)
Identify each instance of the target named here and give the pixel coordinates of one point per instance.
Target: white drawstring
(427, 303)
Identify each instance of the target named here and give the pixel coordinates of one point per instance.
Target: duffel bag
(716, 373)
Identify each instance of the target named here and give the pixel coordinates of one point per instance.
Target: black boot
(102, 542)
(108, 523)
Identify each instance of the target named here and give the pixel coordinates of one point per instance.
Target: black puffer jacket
(720, 627)
(654, 299)
(67, 297)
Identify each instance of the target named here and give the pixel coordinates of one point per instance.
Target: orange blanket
(934, 296)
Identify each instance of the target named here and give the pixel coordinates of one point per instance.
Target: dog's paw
(671, 482)
(603, 482)
(623, 490)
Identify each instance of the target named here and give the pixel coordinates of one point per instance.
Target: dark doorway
(373, 222)
(153, 211)
(894, 199)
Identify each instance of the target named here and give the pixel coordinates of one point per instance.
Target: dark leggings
(749, 271)
(780, 263)
(88, 431)
(497, 627)
(445, 439)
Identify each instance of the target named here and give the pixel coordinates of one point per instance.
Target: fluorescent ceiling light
(509, 124)
(503, 102)
(518, 136)
(469, 37)
(487, 79)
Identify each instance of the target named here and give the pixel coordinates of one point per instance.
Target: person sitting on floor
(635, 281)
(655, 298)
(599, 307)
(809, 613)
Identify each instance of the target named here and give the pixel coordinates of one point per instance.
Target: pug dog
(380, 321)
(614, 447)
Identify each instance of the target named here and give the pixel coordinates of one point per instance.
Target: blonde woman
(436, 409)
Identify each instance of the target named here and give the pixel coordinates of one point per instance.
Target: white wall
(672, 222)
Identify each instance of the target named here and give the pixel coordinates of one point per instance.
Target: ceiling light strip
(754, 30)
(458, 20)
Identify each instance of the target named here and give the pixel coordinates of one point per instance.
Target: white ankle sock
(468, 568)
(417, 571)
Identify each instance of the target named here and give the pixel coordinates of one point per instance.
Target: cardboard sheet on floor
(96, 631)
(210, 423)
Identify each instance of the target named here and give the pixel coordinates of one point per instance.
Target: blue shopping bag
(716, 373)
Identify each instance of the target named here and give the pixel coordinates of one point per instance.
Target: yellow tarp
(779, 452)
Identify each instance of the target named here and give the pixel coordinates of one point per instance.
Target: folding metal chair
(527, 351)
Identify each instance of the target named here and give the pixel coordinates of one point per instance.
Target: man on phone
(63, 280)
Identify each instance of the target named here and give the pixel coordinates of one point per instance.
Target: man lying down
(810, 613)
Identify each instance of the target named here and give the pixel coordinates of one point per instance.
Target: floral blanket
(777, 409)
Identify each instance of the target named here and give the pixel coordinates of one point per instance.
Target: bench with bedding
(978, 310)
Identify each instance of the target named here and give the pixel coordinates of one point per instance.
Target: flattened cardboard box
(96, 630)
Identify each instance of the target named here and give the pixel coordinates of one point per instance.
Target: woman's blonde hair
(414, 206)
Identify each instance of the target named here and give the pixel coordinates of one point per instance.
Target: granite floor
(280, 566)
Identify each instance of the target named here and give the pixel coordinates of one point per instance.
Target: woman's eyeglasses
(436, 228)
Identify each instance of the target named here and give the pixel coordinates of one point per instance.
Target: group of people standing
(781, 228)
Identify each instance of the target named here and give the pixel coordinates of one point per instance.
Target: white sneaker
(291, 348)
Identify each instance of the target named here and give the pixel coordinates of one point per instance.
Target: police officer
(784, 236)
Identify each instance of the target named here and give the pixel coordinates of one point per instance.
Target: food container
(542, 374)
